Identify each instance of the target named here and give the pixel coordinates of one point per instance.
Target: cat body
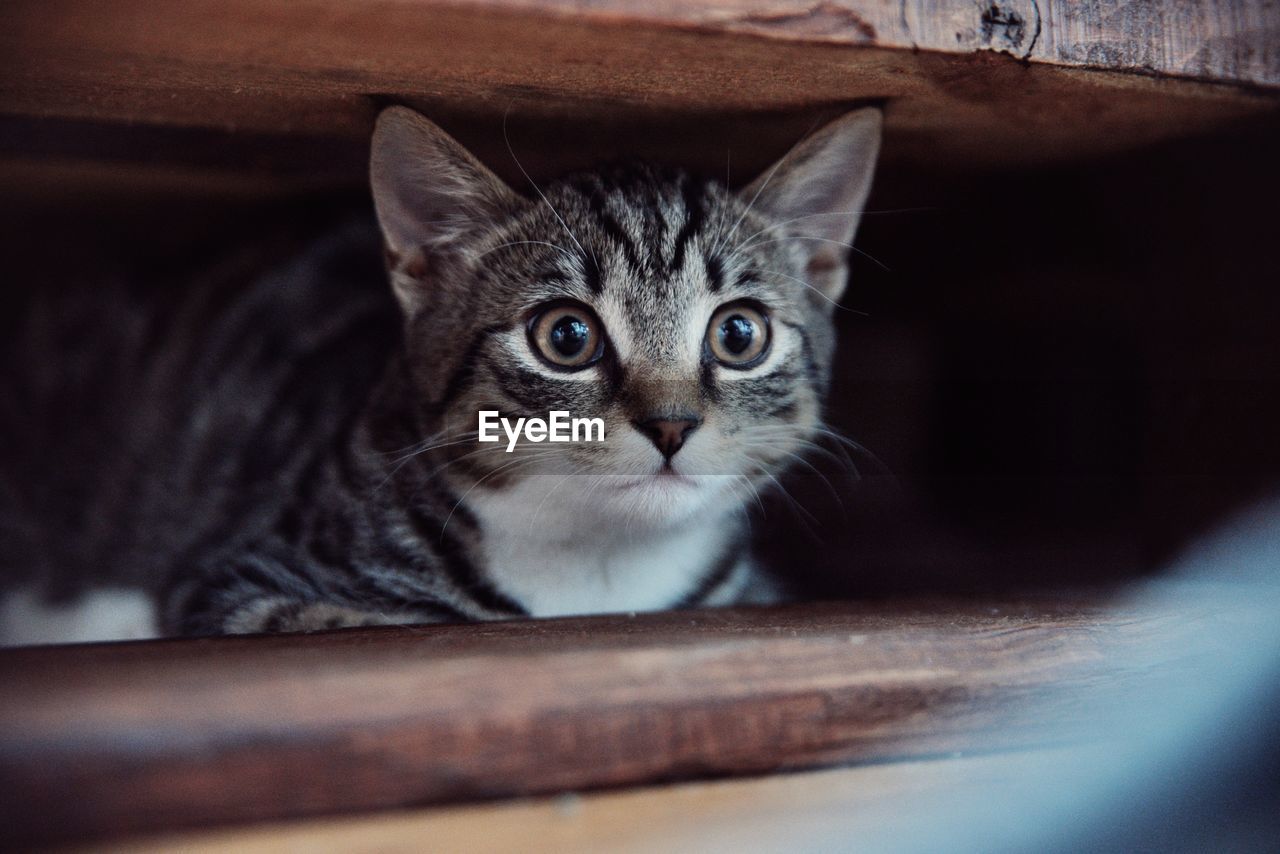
(146, 430)
(694, 321)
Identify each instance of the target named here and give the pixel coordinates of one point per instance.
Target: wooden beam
(1235, 42)
(116, 739)
(865, 808)
(291, 89)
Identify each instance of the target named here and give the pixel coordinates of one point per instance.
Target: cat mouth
(665, 477)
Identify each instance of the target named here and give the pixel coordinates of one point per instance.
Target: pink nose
(668, 434)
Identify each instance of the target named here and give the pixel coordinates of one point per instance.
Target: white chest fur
(557, 564)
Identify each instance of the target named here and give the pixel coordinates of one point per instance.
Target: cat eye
(738, 335)
(567, 335)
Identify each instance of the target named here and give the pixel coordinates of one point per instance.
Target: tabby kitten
(694, 321)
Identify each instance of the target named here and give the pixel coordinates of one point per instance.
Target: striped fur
(263, 478)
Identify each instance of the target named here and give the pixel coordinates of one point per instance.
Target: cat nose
(668, 434)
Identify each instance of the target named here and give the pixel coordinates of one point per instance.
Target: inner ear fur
(815, 194)
(430, 195)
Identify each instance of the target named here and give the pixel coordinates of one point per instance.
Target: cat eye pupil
(566, 336)
(569, 335)
(736, 334)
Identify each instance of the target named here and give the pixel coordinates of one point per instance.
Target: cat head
(695, 321)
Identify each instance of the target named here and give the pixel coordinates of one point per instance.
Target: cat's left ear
(431, 195)
(818, 189)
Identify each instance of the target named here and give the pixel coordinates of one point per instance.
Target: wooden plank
(787, 812)
(1201, 39)
(293, 88)
(113, 739)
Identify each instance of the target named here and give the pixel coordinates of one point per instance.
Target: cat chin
(662, 500)
(629, 505)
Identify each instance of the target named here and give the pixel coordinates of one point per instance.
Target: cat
(310, 463)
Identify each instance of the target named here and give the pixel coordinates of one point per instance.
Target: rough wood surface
(290, 90)
(1202, 39)
(115, 739)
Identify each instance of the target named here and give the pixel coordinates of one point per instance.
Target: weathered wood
(113, 739)
(290, 90)
(1203, 39)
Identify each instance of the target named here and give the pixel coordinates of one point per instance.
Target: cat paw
(275, 616)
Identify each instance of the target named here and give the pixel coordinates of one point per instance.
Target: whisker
(458, 504)
(555, 246)
(772, 171)
(426, 445)
(403, 461)
(815, 470)
(495, 448)
(808, 519)
(843, 440)
(563, 478)
(439, 434)
(746, 242)
(774, 432)
(842, 459)
(729, 236)
(507, 138)
(753, 492)
(815, 290)
(850, 246)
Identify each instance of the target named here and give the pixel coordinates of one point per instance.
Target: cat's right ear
(818, 189)
(430, 195)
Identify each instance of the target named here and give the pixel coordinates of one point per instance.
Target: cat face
(695, 322)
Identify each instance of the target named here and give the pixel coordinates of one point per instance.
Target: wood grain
(1203, 39)
(115, 739)
(291, 89)
(785, 812)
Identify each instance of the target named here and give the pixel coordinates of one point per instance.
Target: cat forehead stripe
(636, 209)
